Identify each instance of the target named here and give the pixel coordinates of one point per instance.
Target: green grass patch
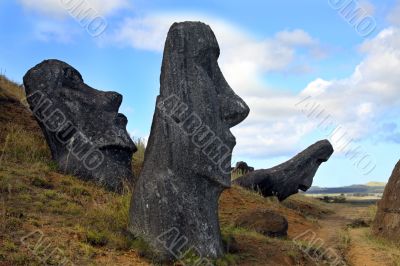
(23, 146)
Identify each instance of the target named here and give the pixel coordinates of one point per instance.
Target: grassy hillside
(84, 224)
(376, 184)
(375, 188)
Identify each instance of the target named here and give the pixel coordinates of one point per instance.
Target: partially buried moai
(188, 157)
(387, 219)
(86, 134)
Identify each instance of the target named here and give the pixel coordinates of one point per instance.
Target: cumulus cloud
(276, 126)
(367, 6)
(359, 104)
(244, 59)
(60, 8)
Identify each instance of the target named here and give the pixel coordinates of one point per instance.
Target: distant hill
(371, 187)
(376, 184)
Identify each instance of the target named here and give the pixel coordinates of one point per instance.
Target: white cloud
(275, 125)
(367, 6)
(46, 31)
(360, 104)
(60, 8)
(244, 59)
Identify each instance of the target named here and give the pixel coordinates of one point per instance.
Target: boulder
(387, 220)
(187, 163)
(86, 134)
(265, 222)
(287, 178)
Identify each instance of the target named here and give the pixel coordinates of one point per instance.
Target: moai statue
(287, 178)
(86, 134)
(188, 157)
(387, 219)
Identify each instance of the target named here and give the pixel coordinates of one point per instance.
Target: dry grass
(10, 89)
(21, 146)
(138, 156)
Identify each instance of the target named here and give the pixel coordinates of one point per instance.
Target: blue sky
(273, 54)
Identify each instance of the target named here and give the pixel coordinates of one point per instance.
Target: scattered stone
(264, 222)
(86, 134)
(359, 222)
(188, 157)
(287, 178)
(387, 219)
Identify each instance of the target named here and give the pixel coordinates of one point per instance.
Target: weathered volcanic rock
(243, 168)
(188, 157)
(287, 178)
(264, 222)
(86, 134)
(387, 219)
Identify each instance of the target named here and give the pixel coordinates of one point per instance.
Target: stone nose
(234, 109)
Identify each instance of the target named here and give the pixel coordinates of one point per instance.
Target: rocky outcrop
(86, 134)
(387, 219)
(265, 222)
(188, 156)
(287, 178)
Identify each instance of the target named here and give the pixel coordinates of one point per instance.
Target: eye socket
(207, 59)
(71, 76)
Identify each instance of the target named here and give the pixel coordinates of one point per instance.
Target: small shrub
(236, 174)
(143, 248)
(13, 224)
(42, 183)
(51, 194)
(86, 251)
(359, 222)
(96, 238)
(9, 246)
(227, 260)
(345, 240)
(79, 191)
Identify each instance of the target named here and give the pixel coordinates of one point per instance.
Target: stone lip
(86, 134)
(291, 176)
(387, 220)
(188, 156)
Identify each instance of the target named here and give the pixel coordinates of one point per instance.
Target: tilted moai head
(291, 176)
(188, 156)
(86, 134)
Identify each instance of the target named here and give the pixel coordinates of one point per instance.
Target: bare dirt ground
(354, 246)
